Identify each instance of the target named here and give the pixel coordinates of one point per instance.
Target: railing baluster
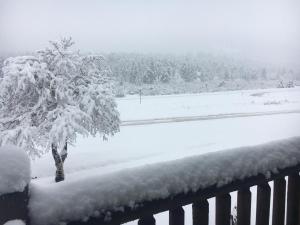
(263, 204)
(244, 207)
(147, 220)
(200, 212)
(279, 201)
(223, 208)
(292, 199)
(298, 219)
(176, 216)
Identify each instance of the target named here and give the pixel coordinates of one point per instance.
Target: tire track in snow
(205, 117)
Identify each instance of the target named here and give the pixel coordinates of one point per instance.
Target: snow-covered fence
(144, 211)
(14, 180)
(14, 206)
(139, 193)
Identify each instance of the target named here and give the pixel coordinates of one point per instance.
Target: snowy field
(137, 146)
(212, 103)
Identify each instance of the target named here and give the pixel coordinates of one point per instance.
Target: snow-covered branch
(53, 96)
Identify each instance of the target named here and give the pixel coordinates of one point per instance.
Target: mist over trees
(180, 73)
(204, 70)
(150, 69)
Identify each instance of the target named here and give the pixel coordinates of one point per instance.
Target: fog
(260, 29)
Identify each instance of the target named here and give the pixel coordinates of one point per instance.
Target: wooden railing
(14, 206)
(285, 208)
(200, 207)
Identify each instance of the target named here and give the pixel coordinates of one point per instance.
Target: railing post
(244, 207)
(263, 204)
(200, 212)
(147, 220)
(279, 201)
(223, 208)
(292, 199)
(14, 206)
(176, 216)
(14, 195)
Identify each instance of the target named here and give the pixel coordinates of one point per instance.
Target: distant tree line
(141, 69)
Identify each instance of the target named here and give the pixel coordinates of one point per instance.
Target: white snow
(15, 222)
(14, 169)
(50, 98)
(242, 101)
(137, 145)
(76, 199)
(94, 162)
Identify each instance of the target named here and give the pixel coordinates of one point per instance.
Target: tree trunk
(59, 160)
(64, 153)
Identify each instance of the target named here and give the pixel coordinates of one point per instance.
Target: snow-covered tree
(48, 99)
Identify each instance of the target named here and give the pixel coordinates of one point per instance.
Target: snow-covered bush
(290, 84)
(120, 92)
(48, 99)
(274, 102)
(280, 85)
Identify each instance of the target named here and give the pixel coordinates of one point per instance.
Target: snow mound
(14, 169)
(15, 222)
(79, 199)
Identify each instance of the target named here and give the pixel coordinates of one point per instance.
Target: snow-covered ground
(139, 145)
(215, 103)
(136, 146)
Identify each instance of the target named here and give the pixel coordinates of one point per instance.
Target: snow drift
(14, 169)
(87, 196)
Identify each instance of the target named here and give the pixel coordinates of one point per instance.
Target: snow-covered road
(197, 118)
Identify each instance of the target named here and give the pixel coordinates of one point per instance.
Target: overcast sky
(260, 28)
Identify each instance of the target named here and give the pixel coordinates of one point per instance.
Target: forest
(152, 74)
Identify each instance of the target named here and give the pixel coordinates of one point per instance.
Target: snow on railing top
(88, 196)
(14, 170)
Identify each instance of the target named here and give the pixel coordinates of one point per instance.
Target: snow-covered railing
(139, 193)
(14, 180)
(200, 208)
